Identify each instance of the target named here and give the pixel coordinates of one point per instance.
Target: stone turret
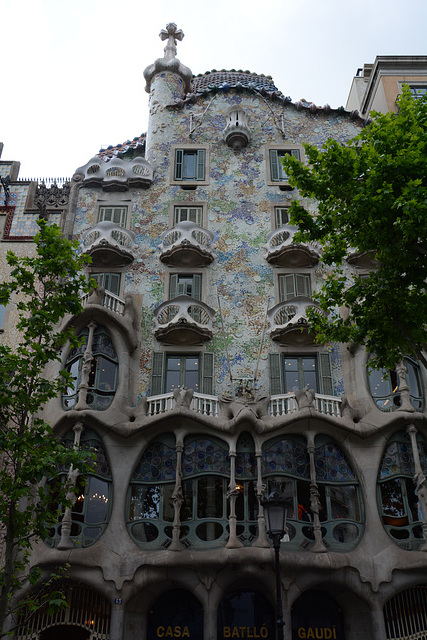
(167, 80)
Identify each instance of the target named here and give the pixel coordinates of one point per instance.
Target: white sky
(71, 75)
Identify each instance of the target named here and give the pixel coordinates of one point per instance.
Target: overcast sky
(72, 70)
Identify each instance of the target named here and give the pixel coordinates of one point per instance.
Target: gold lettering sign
(245, 632)
(173, 632)
(318, 633)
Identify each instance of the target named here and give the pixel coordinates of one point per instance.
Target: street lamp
(275, 510)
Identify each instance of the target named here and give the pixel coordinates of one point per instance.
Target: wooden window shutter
(201, 157)
(197, 286)
(207, 369)
(157, 373)
(325, 374)
(303, 286)
(274, 166)
(178, 164)
(286, 287)
(173, 286)
(276, 374)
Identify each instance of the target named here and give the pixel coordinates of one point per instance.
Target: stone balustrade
(280, 405)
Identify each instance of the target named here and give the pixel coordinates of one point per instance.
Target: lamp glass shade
(275, 515)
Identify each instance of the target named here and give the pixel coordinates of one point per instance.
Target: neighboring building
(199, 387)
(377, 86)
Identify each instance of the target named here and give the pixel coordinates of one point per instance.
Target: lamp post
(275, 510)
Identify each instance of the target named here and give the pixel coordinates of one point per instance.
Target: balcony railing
(187, 245)
(201, 403)
(284, 252)
(280, 405)
(183, 320)
(289, 322)
(109, 301)
(108, 243)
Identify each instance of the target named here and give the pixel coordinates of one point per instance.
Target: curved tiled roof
(219, 79)
(129, 148)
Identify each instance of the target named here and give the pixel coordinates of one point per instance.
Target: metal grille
(86, 609)
(405, 615)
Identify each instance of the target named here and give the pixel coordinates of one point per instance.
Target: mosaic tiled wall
(239, 213)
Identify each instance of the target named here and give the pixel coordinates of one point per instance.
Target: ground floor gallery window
(399, 506)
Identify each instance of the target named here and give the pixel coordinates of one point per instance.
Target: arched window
(341, 513)
(334, 485)
(91, 510)
(286, 462)
(247, 499)
(385, 386)
(101, 374)
(205, 478)
(398, 501)
(150, 509)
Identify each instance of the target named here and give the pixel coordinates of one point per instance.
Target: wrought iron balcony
(289, 323)
(109, 244)
(284, 252)
(186, 245)
(183, 320)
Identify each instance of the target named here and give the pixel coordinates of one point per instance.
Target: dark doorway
(65, 632)
(245, 611)
(316, 615)
(175, 614)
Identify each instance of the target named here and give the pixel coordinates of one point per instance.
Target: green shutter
(157, 373)
(207, 369)
(201, 157)
(178, 164)
(274, 166)
(197, 287)
(173, 286)
(303, 285)
(325, 374)
(286, 287)
(276, 374)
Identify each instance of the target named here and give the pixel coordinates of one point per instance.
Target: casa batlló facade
(200, 388)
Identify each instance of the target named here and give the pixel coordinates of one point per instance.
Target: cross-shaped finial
(171, 34)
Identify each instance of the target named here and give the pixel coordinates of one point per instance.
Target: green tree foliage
(372, 199)
(45, 288)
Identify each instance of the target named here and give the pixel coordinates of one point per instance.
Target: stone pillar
(66, 524)
(178, 499)
(378, 626)
(233, 542)
(117, 621)
(319, 545)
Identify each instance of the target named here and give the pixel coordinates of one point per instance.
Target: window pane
(291, 374)
(106, 374)
(210, 497)
(392, 498)
(144, 503)
(97, 501)
(309, 373)
(190, 164)
(344, 503)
